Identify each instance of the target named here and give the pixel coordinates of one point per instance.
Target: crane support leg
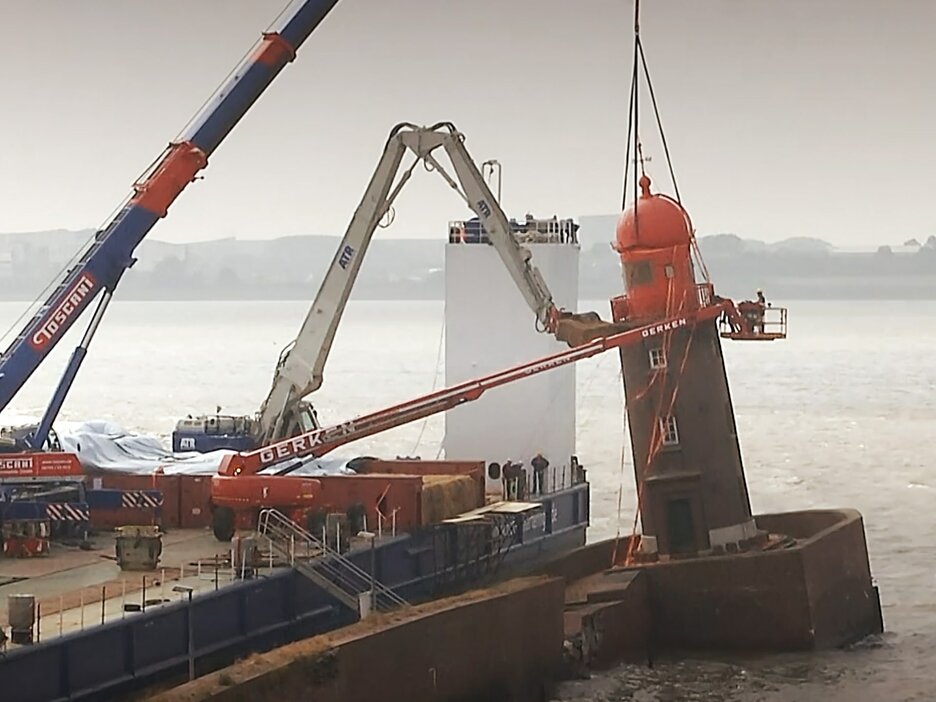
(68, 377)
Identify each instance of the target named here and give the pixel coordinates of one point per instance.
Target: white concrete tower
(489, 328)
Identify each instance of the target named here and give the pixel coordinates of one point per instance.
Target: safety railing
(706, 293)
(336, 574)
(759, 322)
(537, 231)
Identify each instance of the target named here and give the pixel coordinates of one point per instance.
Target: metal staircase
(324, 566)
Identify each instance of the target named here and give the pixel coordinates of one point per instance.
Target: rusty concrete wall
(585, 560)
(627, 629)
(816, 595)
(732, 602)
(617, 629)
(842, 599)
(504, 643)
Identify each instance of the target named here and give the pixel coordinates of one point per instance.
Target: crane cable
(634, 149)
(435, 382)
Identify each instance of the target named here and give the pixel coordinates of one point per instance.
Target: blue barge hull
(259, 614)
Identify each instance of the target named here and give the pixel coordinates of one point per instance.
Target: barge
(263, 607)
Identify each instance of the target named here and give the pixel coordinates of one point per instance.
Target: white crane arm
(300, 370)
(301, 367)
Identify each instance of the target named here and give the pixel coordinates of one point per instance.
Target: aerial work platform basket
(756, 321)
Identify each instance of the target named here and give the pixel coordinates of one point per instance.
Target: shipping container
(104, 498)
(106, 519)
(398, 498)
(405, 502)
(168, 485)
(409, 466)
(194, 501)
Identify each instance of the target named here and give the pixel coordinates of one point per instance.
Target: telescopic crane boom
(111, 253)
(317, 443)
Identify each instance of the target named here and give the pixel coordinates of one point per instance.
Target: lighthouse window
(658, 358)
(638, 273)
(669, 271)
(669, 430)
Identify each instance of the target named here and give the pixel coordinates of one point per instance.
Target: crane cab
(214, 432)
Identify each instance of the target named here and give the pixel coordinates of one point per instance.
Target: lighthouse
(693, 497)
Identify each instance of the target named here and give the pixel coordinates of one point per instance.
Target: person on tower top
(540, 464)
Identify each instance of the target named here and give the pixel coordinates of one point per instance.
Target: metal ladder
(328, 569)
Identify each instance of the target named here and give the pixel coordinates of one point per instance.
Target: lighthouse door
(679, 526)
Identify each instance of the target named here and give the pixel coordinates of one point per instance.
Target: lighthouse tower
(693, 498)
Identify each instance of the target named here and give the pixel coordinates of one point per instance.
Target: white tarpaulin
(104, 446)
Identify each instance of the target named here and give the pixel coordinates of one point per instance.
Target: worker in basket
(753, 312)
(759, 312)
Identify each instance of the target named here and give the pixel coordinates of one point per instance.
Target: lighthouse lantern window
(638, 273)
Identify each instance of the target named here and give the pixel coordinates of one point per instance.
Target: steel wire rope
(435, 379)
(83, 248)
(669, 161)
(657, 445)
(554, 399)
(632, 138)
(633, 143)
(644, 469)
(57, 279)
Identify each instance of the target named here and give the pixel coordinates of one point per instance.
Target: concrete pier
(501, 643)
(813, 592)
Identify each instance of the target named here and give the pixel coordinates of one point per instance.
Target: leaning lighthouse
(711, 574)
(693, 498)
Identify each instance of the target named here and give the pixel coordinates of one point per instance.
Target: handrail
(272, 520)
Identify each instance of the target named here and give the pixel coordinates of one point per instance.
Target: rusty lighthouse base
(814, 592)
(705, 573)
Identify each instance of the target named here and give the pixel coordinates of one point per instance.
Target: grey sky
(784, 118)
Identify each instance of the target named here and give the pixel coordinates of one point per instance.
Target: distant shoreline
(775, 294)
(292, 268)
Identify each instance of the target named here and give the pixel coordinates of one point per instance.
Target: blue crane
(111, 252)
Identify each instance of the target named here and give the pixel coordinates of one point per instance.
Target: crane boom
(299, 372)
(320, 441)
(300, 369)
(111, 252)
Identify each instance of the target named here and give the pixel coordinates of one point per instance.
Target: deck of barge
(70, 583)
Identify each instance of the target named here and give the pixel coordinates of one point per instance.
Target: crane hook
(387, 218)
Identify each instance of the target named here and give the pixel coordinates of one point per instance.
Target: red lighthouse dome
(655, 221)
(654, 239)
